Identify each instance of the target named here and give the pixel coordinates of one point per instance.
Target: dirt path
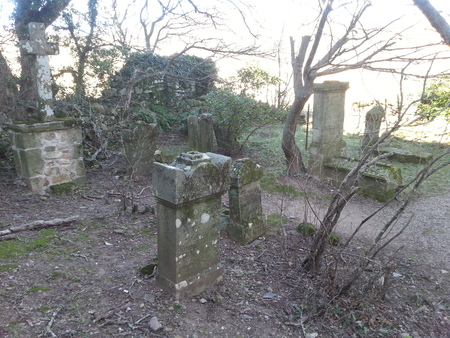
(84, 279)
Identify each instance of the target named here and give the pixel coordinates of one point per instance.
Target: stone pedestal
(48, 153)
(247, 221)
(188, 194)
(200, 130)
(328, 124)
(140, 147)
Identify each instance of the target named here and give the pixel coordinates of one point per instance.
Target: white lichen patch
(214, 242)
(205, 218)
(250, 225)
(181, 285)
(197, 252)
(178, 223)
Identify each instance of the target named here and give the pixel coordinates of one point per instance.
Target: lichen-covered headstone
(374, 117)
(200, 130)
(40, 48)
(188, 194)
(247, 221)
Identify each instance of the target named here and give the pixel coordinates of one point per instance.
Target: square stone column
(328, 124)
(48, 153)
(188, 194)
(247, 221)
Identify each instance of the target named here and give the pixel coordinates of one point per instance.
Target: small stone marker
(188, 194)
(40, 48)
(247, 221)
(374, 117)
(200, 130)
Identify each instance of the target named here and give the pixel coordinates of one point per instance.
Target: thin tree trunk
(294, 160)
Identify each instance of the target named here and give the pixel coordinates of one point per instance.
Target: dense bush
(162, 87)
(436, 100)
(236, 117)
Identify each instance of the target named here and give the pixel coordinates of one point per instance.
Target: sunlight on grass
(264, 147)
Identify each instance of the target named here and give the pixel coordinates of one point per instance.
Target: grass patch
(47, 233)
(44, 309)
(36, 288)
(9, 249)
(7, 267)
(276, 220)
(41, 243)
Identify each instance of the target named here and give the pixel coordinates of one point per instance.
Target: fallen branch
(38, 225)
(48, 328)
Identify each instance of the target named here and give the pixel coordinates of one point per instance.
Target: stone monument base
(48, 153)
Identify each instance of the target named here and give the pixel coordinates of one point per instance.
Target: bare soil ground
(84, 279)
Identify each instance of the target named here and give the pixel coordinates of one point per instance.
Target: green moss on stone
(63, 188)
(306, 229)
(334, 239)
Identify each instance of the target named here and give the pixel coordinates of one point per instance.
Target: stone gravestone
(200, 131)
(40, 48)
(374, 117)
(140, 147)
(247, 221)
(328, 124)
(188, 194)
(47, 152)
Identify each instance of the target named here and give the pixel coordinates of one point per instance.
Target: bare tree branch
(435, 18)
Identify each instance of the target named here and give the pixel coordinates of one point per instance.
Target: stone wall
(48, 153)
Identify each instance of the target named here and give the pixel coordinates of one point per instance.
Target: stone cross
(40, 48)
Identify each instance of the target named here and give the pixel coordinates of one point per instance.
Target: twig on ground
(48, 328)
(111, 312)
(80, 255)
(39, 225)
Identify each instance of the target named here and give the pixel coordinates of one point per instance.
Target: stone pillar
(328, 124)
(247, 221)
(200, 131)
(140, 147)
(48, 153)
(374, 117)
(188, 194)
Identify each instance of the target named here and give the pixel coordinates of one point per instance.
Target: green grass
(36, 288)
(264, 147)
(7, 267)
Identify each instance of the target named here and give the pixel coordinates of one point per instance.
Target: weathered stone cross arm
(38, 45)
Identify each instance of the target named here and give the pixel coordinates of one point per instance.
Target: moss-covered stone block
(380, 182)
(306, 229)
(334, 239)
(406, 156)
(63, 188)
